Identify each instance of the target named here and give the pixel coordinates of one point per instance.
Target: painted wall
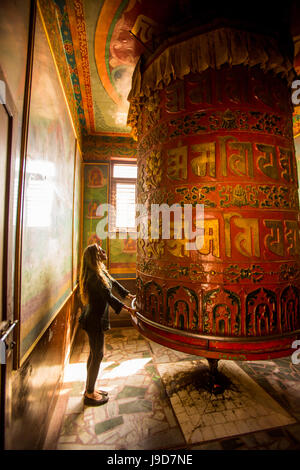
(95, 195)
(97, 189)
(99, 153)
(96, 184)
(48, 199)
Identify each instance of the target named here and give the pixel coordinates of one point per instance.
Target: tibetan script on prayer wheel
(221, 139)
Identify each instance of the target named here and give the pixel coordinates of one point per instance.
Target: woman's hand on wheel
(130, 310)
(131, 296)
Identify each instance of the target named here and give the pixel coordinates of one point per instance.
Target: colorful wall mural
(95, 193)
(122, 258)
(103, 148)
(48, 199)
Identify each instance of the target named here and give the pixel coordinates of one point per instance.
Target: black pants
(96, 341)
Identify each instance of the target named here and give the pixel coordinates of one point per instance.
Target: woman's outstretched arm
(120, 289)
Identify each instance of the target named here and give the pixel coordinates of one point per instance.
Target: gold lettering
(144, 28)
(267, 163)
(177, 247)
(287, 162)
(211, 238)
(292, 237)
(240, 163)
(275, 241)
(223, 153)
(205, 163)
(247, 241)
(177, 163)
(227, 218)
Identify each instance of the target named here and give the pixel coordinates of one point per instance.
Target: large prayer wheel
(212, 115)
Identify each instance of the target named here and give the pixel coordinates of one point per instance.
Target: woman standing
(95, 290)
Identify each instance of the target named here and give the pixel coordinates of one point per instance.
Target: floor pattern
(159, 400)
(243, 406)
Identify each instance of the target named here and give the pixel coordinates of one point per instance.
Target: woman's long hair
(91, 264)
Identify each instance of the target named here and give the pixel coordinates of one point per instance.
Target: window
(123, 197)
(125, 171)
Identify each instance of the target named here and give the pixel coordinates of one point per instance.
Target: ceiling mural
(116, 54)
(58, 49)
(102, 53)
(103, 41)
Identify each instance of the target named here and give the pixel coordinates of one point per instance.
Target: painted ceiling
(103, 41)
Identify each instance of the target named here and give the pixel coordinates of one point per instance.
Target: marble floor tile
(137, 412)
(243, 394)
(159, 399)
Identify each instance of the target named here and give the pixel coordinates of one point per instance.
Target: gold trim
(81, 209)
(20, 361)
(125, 278)
(79, 39)
(57, 71)
(80, 153)
(73, 211)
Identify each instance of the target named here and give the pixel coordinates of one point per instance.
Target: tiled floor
(159, 400)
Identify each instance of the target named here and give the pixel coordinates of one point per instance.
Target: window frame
(113, 193)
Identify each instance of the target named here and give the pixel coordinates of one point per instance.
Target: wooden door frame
(11, 258)
(11, 113)
(22, 174)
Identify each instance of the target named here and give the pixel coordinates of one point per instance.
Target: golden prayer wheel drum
(217, 131)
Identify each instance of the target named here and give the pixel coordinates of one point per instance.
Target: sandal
(102, 392)
(92, 402)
